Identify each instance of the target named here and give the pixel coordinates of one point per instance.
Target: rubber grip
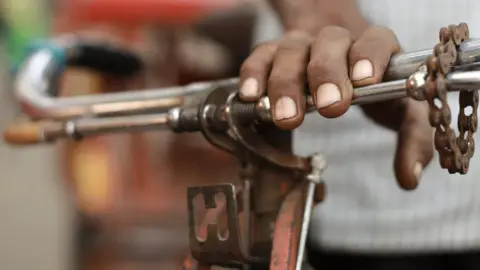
(106, 59)
(24, 134)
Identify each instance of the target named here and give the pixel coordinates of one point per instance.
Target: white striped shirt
(365, 210)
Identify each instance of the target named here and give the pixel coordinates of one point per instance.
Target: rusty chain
(455, 152)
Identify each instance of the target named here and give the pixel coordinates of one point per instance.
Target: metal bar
(121, 124)
(456, 81)
(467, 80)
(83, 127)
(319, 165)
(34, 89)
(379, 92)
(287, 231)
(307, 214)
(96, 126)
(246, 234)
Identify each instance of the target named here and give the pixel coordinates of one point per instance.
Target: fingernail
(249, 88)
(361, 70)
(285, 108)
(328, 94)
(417, 170)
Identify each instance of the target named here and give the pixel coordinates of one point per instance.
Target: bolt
(319, 164)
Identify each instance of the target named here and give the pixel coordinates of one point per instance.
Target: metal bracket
(214, 250)
(216, 137)
(248, 137)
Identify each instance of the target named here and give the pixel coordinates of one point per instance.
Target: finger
(370, 54)
(328, 72)
(255, 71)
(415, 145)
(286, 84)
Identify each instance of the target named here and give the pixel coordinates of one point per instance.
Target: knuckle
(379, 37)
(325, 68)
(249, 66)
(316, 67)
(381, 31)
(278, 81)
(295, 40)
(364, 50)
(289, 70)
(281, 83)
(357, 47)
(288, 75)
(259, 59)
(334, 32)
(372, 48)
(265, 46)
(292, 46)
(274, 85)
(298, 35)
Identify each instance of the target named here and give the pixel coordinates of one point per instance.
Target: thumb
(415, 145)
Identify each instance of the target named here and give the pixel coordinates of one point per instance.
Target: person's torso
(364, 208)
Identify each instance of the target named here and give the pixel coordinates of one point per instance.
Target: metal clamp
(254, 143)
(214, 135)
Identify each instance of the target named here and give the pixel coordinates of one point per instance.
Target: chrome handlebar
(160, 108)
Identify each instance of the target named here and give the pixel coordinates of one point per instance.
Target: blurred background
(116, 202)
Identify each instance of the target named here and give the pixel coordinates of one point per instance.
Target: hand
(333, 63)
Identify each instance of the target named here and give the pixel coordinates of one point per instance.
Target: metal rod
(466, 80)
(307, 214)
(247, 218)
(319, 165)
(379, 92)
(34, 89)
(80, 128)
(122, 124)
(456, 81)
(83, 127)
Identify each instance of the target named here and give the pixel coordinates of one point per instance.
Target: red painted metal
(146, 11)
(286, 234)
(287, 231)
(191, 264)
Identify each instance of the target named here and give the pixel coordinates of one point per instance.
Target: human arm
(336, 50)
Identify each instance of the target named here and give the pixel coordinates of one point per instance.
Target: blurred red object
(146, 11)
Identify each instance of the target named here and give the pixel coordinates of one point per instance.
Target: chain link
(455, 152)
